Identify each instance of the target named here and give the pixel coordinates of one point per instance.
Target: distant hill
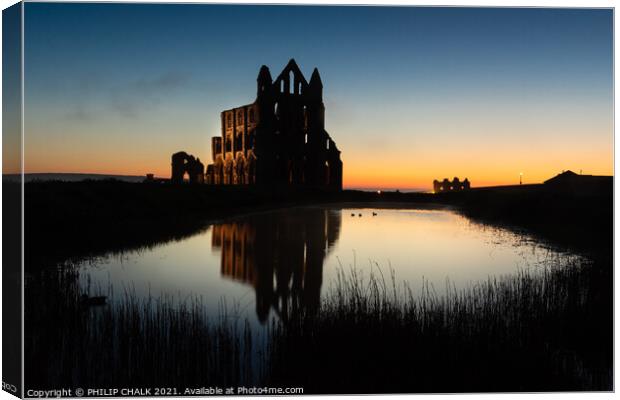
(72, 177)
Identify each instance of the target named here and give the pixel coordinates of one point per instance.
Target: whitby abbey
(279, 139)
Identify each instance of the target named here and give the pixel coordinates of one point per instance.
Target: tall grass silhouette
(532, 331)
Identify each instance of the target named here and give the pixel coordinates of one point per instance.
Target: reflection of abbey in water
(280, 255)
(278, 139)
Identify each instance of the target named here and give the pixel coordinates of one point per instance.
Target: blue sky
(411, 93)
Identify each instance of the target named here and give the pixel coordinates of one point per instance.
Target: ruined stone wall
(183, 165)
(279, 139)
(450, 186)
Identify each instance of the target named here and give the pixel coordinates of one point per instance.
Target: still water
(267, 265)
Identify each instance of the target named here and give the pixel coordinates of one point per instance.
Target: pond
(268, 265)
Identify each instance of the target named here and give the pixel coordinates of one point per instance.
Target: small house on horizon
(571, 181)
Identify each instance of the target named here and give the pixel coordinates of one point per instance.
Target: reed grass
(549, 330)
(131, 342)
(533, 331)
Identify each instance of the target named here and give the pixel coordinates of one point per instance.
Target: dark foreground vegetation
(529, 332)
(132, 343)
(82, 219)
(577, 218)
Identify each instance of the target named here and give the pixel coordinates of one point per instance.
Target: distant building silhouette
(182, 164)
(280, 138)
(450, 186)
(568, 181)
(151, 178)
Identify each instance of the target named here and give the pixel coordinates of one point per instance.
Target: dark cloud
(126, 107)
(129, 100)
(162, 84)
(79, 114)
(145, 93)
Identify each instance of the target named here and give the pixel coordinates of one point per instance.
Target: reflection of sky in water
(433, 245)
(274, 263)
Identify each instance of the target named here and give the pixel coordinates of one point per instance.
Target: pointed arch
(228, 172)
(218, 171)
(240, 171)
(327, 172)
(251, 169)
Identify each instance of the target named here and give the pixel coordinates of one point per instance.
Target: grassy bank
(529, 332)
(82, 219)
(579, 220)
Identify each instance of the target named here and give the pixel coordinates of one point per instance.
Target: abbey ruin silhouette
(279, 139)
(185, 164)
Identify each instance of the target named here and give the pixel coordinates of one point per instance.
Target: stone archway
(182, 164)
(228, 172)
(240, 171)
(218, 172)
(327, 173)
(250, 167)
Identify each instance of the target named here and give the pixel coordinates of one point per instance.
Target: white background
(540, 3)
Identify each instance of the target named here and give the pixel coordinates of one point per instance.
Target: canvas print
(235, 199)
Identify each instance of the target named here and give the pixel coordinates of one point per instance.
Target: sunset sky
(411, 94)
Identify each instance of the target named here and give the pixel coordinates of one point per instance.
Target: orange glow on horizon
(403, 167)
(373, 179)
